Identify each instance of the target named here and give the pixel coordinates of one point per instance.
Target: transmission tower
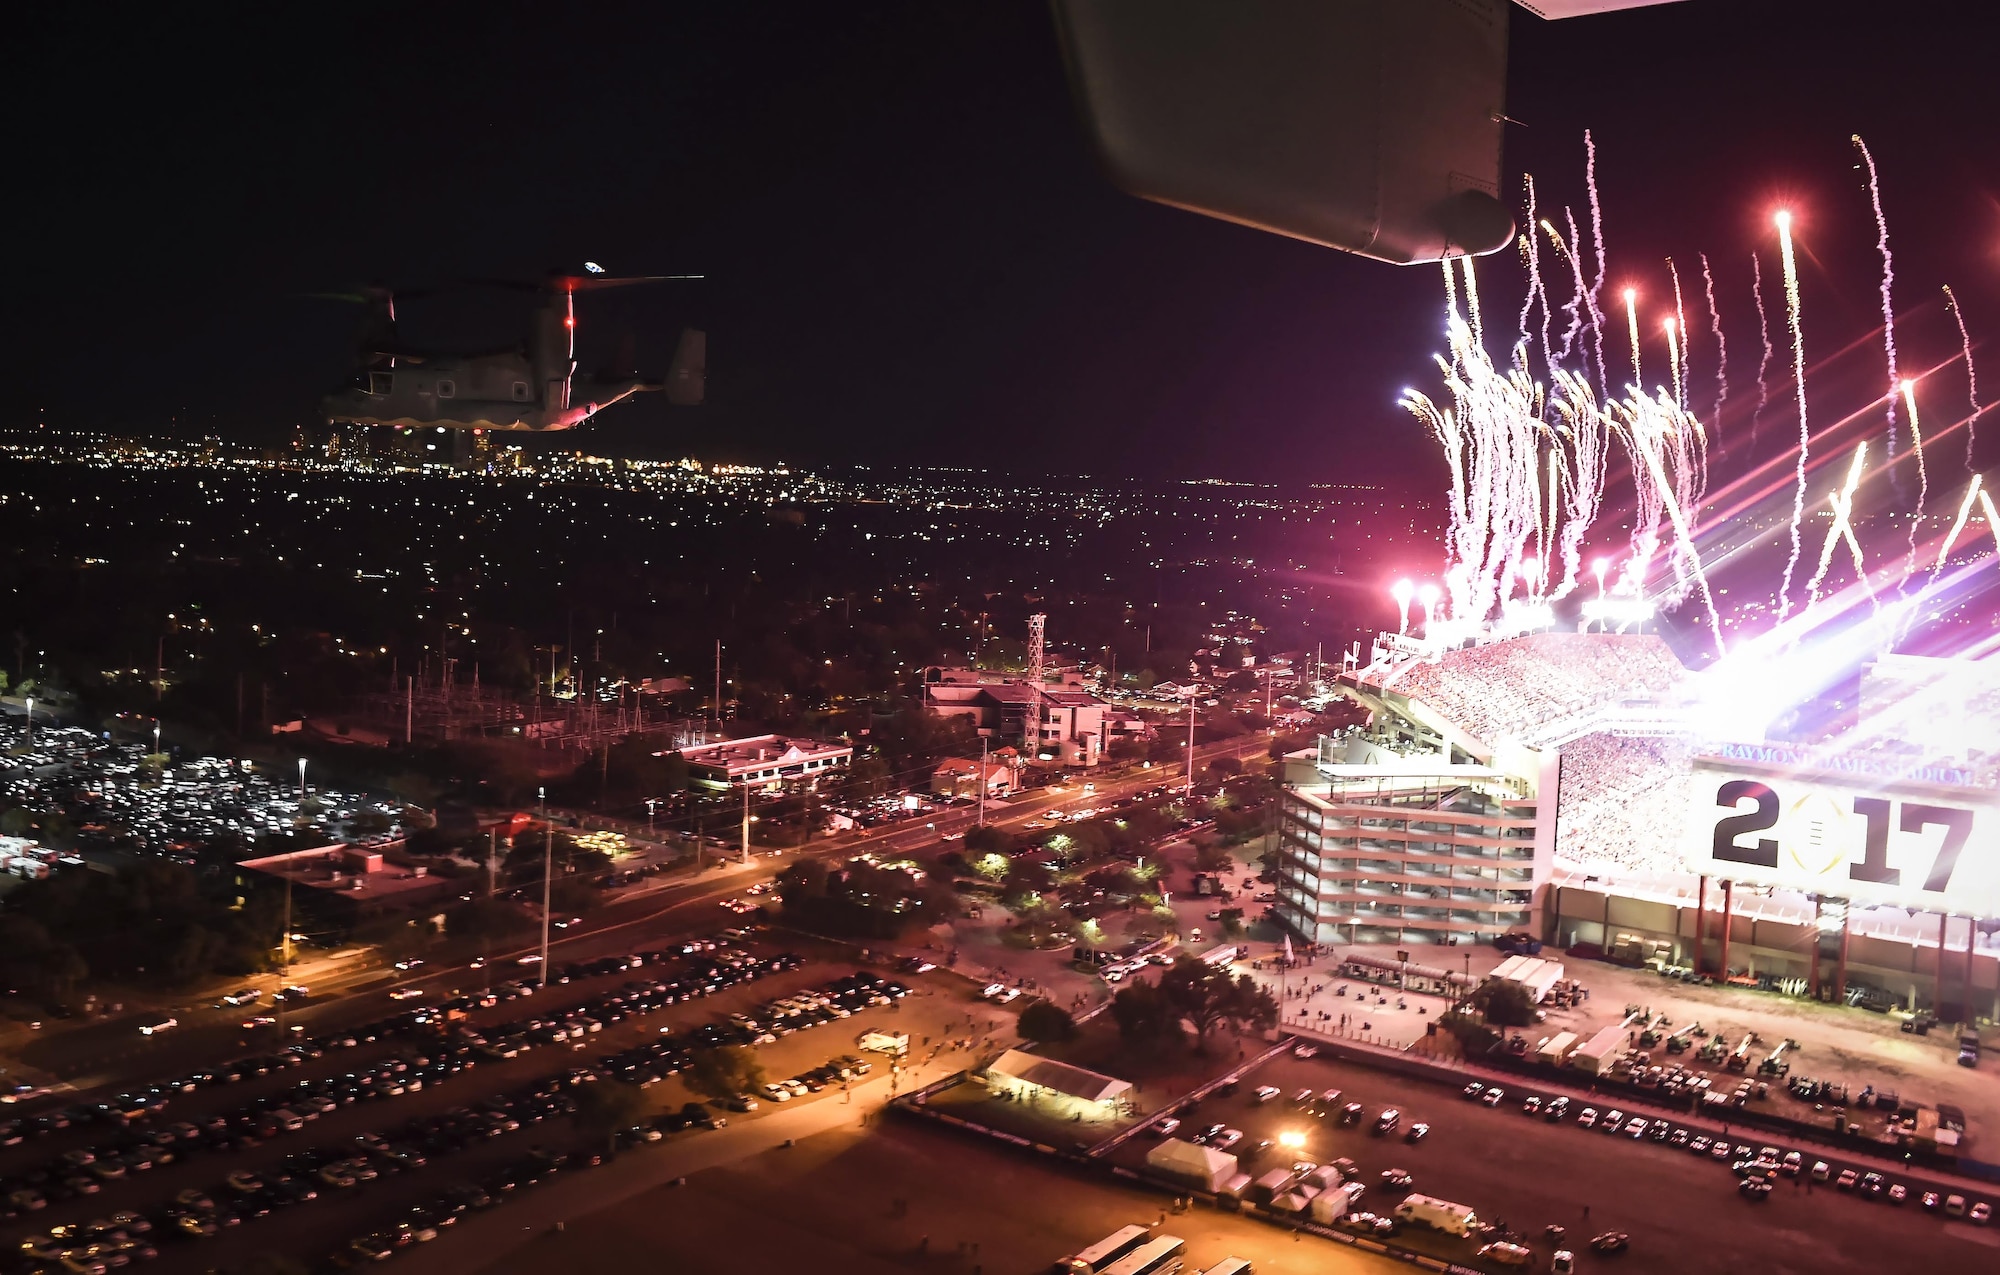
(1033, 735)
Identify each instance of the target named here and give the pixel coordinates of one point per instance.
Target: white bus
(1104, 1252)
(1155, 1257)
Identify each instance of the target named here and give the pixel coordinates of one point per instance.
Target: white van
(1439, 1215)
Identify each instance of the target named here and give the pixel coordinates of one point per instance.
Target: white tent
(1204, 1166)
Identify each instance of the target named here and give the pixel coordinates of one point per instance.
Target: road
(349, 987)
(644, 917)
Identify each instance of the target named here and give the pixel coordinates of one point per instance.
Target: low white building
(1057, 1088)
(764, 761)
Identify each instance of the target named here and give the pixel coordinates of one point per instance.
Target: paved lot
(309, 1230)
(1522, 1170)
(829, 1204)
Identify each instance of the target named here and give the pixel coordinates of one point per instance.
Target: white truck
(895, 1044)
(1439, 1215)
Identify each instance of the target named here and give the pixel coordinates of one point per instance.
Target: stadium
(1574, 786)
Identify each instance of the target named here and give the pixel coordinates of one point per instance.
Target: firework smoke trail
(1972, 493)
(1531, 257)
(1686, 337)
(1843, 509)
(1923, 478)
(1472, 304)
(1721, 346)
(1674, 365)
(1971, 377)
(1597, 281)
(1632, 321)
(1683, 534)
(1799, 380)
(1578, 303)
(1764, 360)
(1888, 284)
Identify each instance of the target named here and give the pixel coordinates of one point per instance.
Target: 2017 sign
(1872, 847)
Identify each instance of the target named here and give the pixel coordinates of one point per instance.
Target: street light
(548, 870)
(156, 736)
(31, 723)
(650, 803)
(302, 781)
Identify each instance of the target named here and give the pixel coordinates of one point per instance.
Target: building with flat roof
(347, 881)
(1405, 850)
(1062, 724)
(765, 761)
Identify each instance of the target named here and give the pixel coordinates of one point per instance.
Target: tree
(1232, 923)
(1224, 768)
(1207, 997)
(724, 1072)
(1046, 1023)
(1209, 857)
(1504, 1003)
(1143, 1015)
(990, 839)
(607, 1106)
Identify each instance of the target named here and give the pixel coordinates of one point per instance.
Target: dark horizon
(912, 259)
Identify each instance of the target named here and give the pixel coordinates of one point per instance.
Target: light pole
(156, 737)
(982, 780)
(746, 821)
(1190, 774)
(31, 723)
(548, 869)
(302, 781)
(650, 803)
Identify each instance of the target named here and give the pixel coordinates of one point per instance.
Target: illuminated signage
(1900, 846)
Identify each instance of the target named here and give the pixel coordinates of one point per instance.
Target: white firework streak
(1632, 323)
(1531, 257)
(1923, 481)
(1597, 281)
(1579, 301)
(1651, 424)
(1972, 493)
(1472, 303)
(1721, 346)
(1992, 516)
(1674, 357)
(1799, 380)
(1581, 445)
(1686, 337)
(1842, 503)
(1971, 377)
(1888, 285)
(1763, 360)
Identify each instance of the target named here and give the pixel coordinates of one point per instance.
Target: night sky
(911, 257)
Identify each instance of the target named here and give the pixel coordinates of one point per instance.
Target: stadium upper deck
(1539, 689)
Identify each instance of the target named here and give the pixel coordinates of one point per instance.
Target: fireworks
(1784, 220)
(1888, 285)
(1971, 377)
(1529, 459)
(1763, 360)
(1909, 389)
(1721, 345)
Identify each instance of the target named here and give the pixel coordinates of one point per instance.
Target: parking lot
(115, 800)
(456, 1119)
(1525, 1173)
